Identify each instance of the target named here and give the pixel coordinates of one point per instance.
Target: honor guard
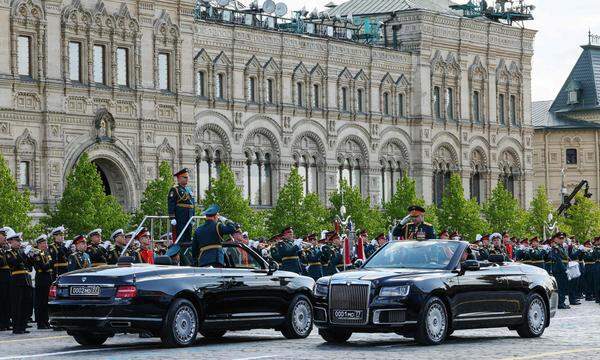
(416, 228)
(314, 258)
(289, 252)
(4, 280)
(560, 262)
(59, 252)
(118, 237)
(20, 284)
(207, 248)
(97, 253)
(332, 254)
(43, 264)
(181, 208)
(146, 250)
(535, 253)
(79, 259)
(588, 272)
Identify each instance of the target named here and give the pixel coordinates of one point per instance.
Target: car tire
(213, 334)
(432, 326)
(335, 336)
(299, 320)
(535, 317)
(180, 327)
(87, 339)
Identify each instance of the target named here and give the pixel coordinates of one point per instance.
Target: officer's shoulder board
(426, 223)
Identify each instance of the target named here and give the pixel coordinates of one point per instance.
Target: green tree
(405, 196)
(305, 214)
(503, 213)
(358, 208)
(84, 205)
(225, 193)
(459, 214)
(16, 206)
(154, 198)
(583, 219)
(537, 214)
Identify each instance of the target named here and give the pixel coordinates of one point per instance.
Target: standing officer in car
(20, 283)
(207, 248)
(42, 262)
(181, 205)
(59, 252)
(416, 228)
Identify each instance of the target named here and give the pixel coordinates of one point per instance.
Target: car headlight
(321, 290)
(395, 291)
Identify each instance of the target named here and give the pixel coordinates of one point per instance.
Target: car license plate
(84, 290)
(348, 314)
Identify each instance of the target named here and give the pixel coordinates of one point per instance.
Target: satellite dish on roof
(281, 9)
(268, 6)
(223, 3)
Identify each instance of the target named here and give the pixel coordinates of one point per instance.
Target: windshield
(415, 255)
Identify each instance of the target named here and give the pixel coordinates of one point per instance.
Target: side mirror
(358, 263)
(273, 266)
(470, 265)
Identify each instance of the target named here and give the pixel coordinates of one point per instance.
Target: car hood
(379, 275)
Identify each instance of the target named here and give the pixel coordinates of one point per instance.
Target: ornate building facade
(134, 83)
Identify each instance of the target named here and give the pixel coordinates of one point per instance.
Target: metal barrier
(191, 222)
(143, 224)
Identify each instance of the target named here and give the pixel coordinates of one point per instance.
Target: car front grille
(347, 299)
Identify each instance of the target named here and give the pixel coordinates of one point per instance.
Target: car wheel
(432, 327)
(181, 324)
(335, 336)
(87, 339)
(212, 334)
(535, 317)
(299, 320)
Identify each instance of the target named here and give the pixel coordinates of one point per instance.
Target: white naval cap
(117, 233)
(41, 238)
(95, 231)
(58, 230)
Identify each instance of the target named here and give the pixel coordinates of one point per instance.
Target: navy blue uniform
(21, 300)
(334, 261)
(289, 254)
(43, 265)
(560, 261)
(79, 260)
(314, 256)
(412, 231)
(4, 291)
(207, 248)
(181, 208)
(60, 259)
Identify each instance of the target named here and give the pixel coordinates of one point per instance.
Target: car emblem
(348, 283)
(83, 279)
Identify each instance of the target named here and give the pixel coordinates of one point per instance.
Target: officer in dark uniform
(207, 248)
(289, 252)
(173, 253)
(560, 261)
(575, 253)
(416, 228)
(97, 253)
(535, 254)
(181, 208)
(596, 269)
(273, 248)
(334, 262)
(42, 262)
(314, 258)
(497, 248)
(20, 286)
(522, 252)
(588, 272)
(79, 259)
(59, 252)
(118, 236)
(4, 280)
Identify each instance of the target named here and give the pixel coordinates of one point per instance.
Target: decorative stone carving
(104, 124)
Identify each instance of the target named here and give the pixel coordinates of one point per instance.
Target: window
(99, 77)
(208, 168)
(571, 156)
(437, 110)
(350, 172)
(219, 86)
(316, 94)
(386, 104)
(270, 91)
(401, 105)
(24, 55)
(299, 89)
(122, 66)
(513, 109)
(476, 106)
(259, 177)
(75, 61)
(390, 173)
(163, 71)
(449, 104)
(201, 83)
(475, 185)
(508, 180)
(573, 97)
(24, 173)
(501, 118)
(359, 100)
(441, 179)
(344, 99)
(252, 89)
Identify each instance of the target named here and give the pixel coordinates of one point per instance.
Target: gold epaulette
(426, 223)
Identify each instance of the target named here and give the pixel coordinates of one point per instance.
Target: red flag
(360, 249)
(347, 257)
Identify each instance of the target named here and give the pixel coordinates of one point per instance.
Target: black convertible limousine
(175, 303)
(427, 290)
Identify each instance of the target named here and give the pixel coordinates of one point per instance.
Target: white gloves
(298, 243)
(173, 222)
(67, 244)
(28, 249)
(105, 244)
(581, 247)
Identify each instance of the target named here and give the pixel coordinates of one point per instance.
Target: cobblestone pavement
(573, 333)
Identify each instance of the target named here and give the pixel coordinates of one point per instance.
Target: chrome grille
(349, 297)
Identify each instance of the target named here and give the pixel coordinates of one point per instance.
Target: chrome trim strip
(86, 284)
(105, 318)
(491, 318)
(255, 314)
(247, 318)
(325, 311)
(377, 313)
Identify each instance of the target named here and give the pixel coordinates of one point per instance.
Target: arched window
(299, 94)
(476, 110)
(437, 109)
(401, 105)
(386, 103)
(219, 86)
(501, 106)
(201, 83)
(307, 169)
(251, 91)
(316, 94)
(208, 168)
(475, 185)
(513, 109)
(359, 101)
(270, 91)
(441, 178)
(258, 179)
(344, 100)
(444, 162)
(449, 104)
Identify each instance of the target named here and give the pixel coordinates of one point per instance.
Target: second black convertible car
(174, 303)
(426, 290)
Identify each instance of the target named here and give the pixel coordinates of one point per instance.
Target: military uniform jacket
(4, 268)
(43, 264)
(98, 255)
(60, 258)
(181, 208)
(290, 256)
(79, 260)
(334, 260)
(536, 257)
(369, 250)
(115, 254)
(20, 266)
(412, 231)
(207, 246)
(560, 259)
